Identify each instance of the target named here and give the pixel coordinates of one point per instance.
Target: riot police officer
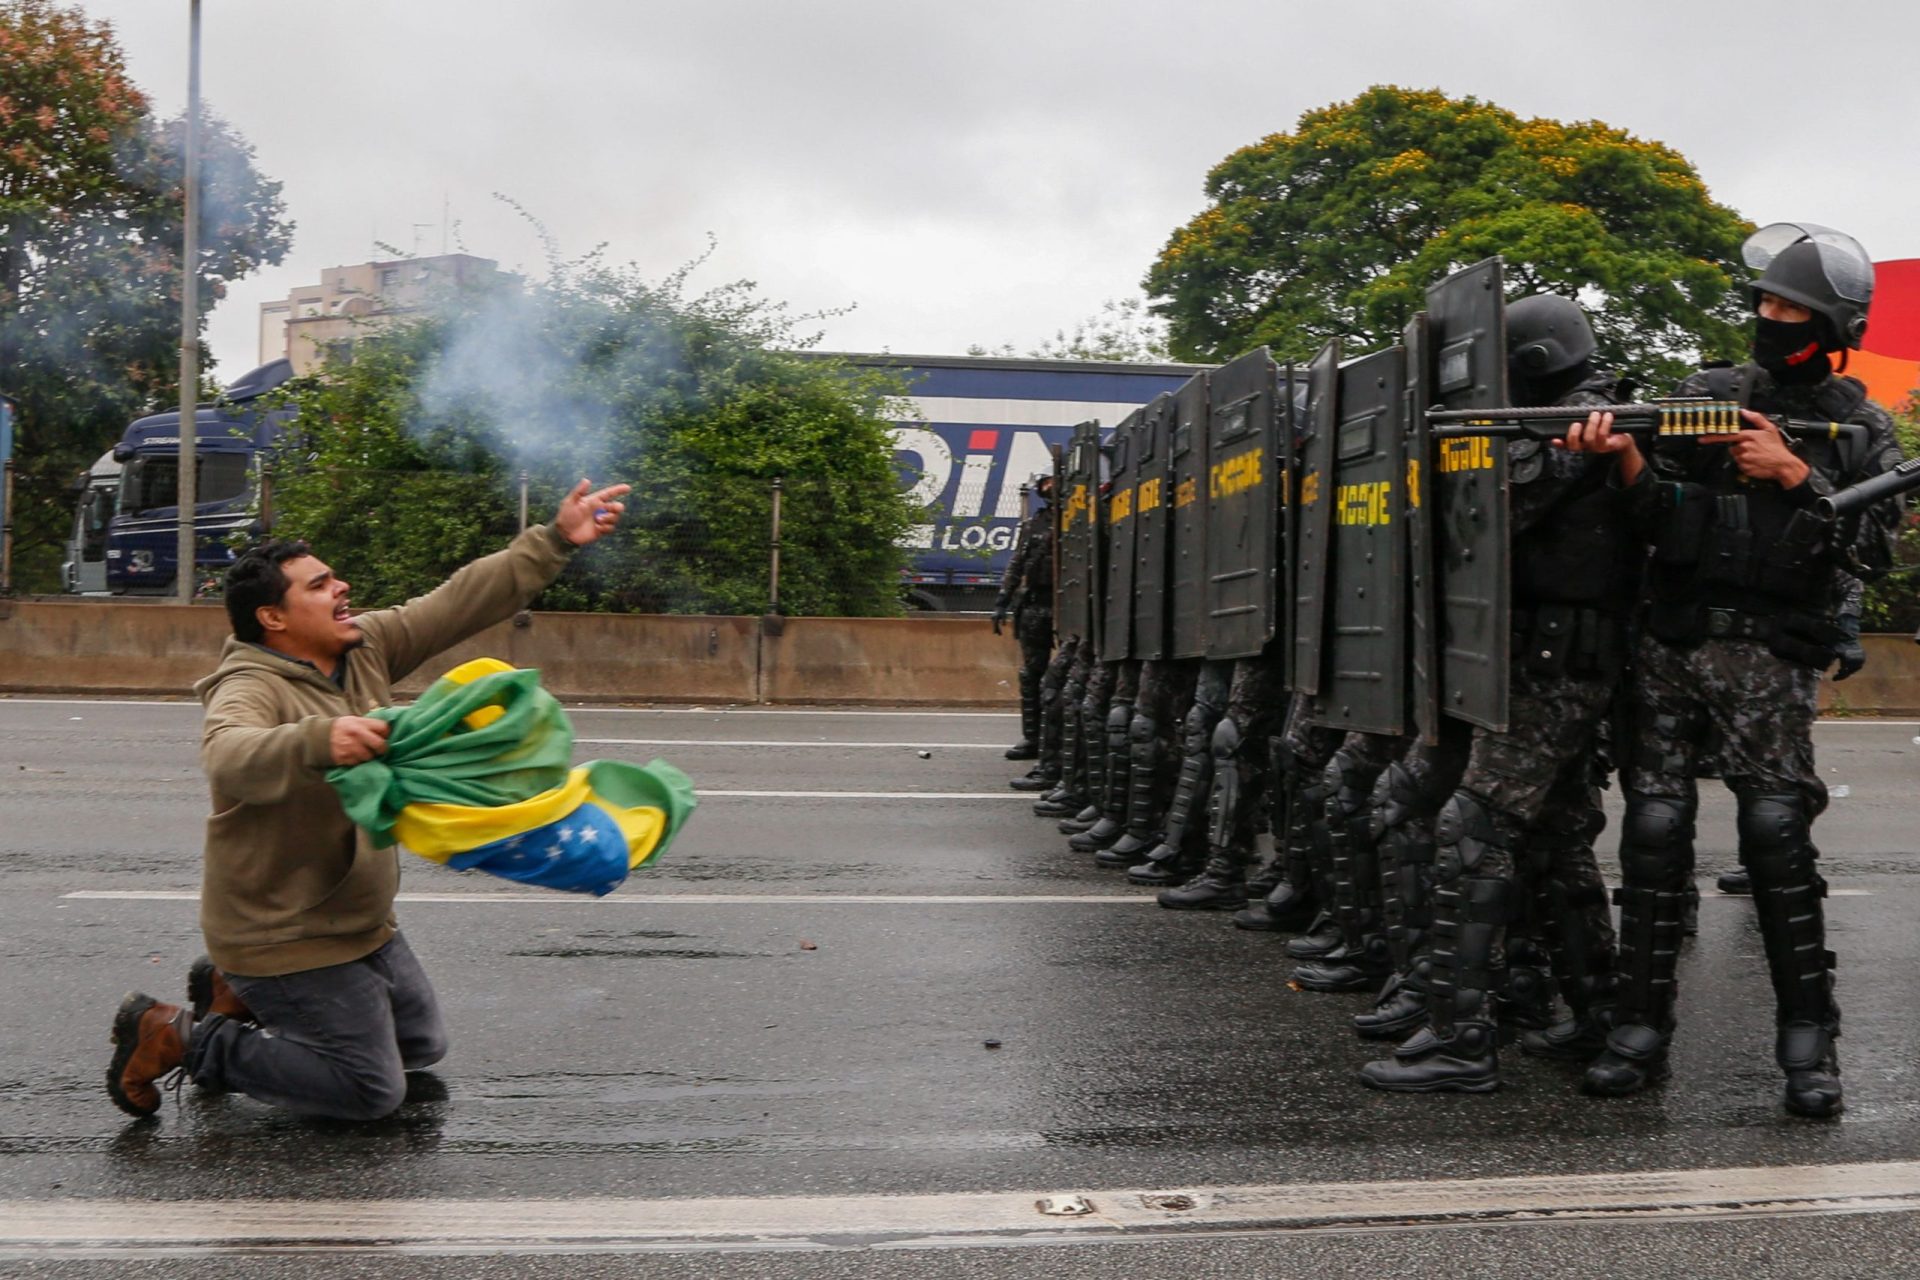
(1574, 573)
(1739, 620)
(1027, 588)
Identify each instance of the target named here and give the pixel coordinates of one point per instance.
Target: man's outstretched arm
(494, 587)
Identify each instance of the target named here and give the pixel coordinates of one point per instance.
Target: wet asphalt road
(647, 1047)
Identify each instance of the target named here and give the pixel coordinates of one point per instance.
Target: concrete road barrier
(141, 647)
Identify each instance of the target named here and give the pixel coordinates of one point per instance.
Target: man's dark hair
(256, 581)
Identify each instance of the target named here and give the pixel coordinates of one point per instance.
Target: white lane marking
(1008, 1218)
(770, 742)
(681, 899)
(727, 899)
(95, 702)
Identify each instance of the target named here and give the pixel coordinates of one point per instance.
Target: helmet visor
(1848, 269)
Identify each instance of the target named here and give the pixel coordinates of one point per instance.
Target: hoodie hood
(238, 655)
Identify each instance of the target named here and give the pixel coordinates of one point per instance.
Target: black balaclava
(1549, 388)
(1793, 352)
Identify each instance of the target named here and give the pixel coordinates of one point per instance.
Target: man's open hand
(585, 516)
(357, 739)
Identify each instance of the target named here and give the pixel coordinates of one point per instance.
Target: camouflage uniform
(1740, 608)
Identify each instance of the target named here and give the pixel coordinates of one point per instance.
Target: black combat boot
(1346, 968)
(1736, 881)
(1287, 908)
(1176, 867)
(1034, 780)
(1582, 1035)
(1456, 1052)
(1322, 936)
(1401, 1007)
(1221, 886)
(1055, 804)
(1083, 820)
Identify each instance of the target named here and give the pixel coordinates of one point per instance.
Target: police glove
(1850, 652)
(999, 615)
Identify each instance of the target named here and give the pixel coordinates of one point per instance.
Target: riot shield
(1116, 630)
(1364, 682)
(1187, 481)
(1290, 403)
(1080, 487)
(1466, 319)
(1152, 524)
(1313, 520)
(1242, 506)
(1423, 689)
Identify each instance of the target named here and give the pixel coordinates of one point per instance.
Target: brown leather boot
(208, 992)
(150, 1042)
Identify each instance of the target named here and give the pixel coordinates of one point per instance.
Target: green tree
(404, 463)
(91, 208)
(1339, 226)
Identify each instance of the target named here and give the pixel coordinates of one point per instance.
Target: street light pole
(186, 562)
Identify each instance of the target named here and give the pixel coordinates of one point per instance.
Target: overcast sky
(983, 172)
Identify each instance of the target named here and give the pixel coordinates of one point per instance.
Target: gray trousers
(333, 1042)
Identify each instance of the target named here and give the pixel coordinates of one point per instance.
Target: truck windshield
(154, 481)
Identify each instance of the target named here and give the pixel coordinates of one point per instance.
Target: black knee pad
(1226, 740)
(1465, 829)
(1141, 730)
(1656, 840)
(1198, 721)
(1396, 796)
(1772, 822)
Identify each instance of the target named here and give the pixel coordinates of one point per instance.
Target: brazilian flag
(477, 777)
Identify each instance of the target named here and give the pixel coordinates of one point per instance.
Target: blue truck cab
(230, 436)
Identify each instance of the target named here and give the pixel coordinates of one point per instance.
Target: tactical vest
(1582, 552)
(1723, 545)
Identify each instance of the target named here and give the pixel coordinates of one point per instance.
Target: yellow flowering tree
(1339, 226)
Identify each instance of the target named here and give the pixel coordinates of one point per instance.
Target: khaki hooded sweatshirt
(289, 883)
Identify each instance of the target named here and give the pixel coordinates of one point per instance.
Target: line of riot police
(1373, 607)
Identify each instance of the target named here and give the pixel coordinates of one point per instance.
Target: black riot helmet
(1547, 334)
(1824, 270)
